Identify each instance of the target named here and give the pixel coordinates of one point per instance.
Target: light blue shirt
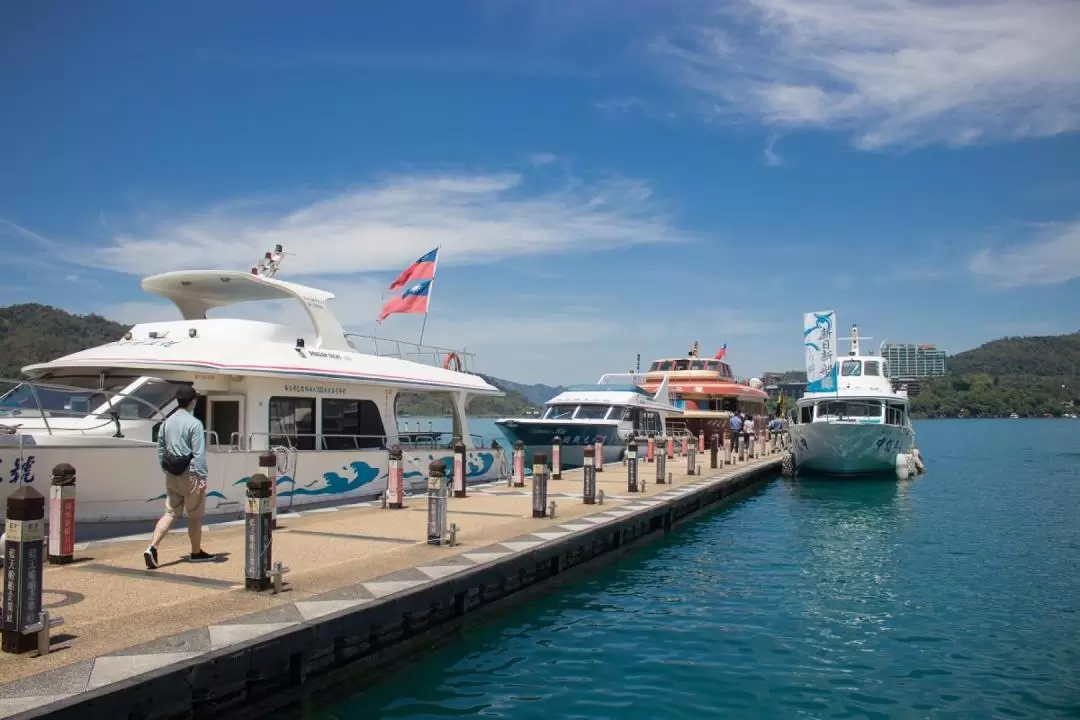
(735, 423)
(183, 433)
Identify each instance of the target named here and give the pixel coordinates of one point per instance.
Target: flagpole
(431, 287)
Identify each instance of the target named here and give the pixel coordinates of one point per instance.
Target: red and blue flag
(422, 269)
(721, 352)
(413, 300)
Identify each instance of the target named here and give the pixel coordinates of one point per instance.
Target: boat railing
(338, 441)
(405, 350)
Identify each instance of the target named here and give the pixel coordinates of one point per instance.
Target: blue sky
(605, 178)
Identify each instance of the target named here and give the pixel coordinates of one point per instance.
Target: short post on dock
(691, 460)
(395, 480)
(661, 468)
(461, 467)
(598, 459)
(268, 467)
(436, 519)
(24, 547)
(714, 450)
(588, 472)
(540, 485)
(259, 533)
(62, 515)
(650, 449)
(670, 442)
(631, 466)
(518, 469)
(556, 458)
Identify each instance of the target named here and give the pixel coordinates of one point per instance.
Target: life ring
(452, 357)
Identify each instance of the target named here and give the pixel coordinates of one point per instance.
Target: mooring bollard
(436, 515)
(670, 447)
(599, 457)
(518, 471)
(743, 442)
(650, 449)
(632, 467)
(691, 461)
(556, 458)
(661, 468)
(461, 467)
(588, 471)
(24, 541)
(714, 450)
(684, 446)
(62, 515)
(701, 441)
(395, 480)
(259, 533)
(731, 448)
(539, 488)
(268, 467)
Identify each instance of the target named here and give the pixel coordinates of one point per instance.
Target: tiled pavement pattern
(39, 690)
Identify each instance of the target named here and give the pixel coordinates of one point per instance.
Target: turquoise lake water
(953, 595)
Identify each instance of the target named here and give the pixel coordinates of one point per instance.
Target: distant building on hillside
(791, 384)
(909, 362)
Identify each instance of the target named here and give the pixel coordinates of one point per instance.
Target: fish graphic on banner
(819, 339)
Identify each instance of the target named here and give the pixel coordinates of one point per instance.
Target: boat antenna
(270, 263)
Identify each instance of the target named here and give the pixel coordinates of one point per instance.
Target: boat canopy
(608, 388)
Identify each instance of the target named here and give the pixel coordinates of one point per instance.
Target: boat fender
(920, 468)
(452, 357)
(903, 468)
(787, 464)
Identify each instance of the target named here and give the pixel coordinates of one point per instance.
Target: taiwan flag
(422, 269)
(721, 352)
(413, 300)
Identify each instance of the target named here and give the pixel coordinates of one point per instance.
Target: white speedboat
(613, 410)
(850, 421)
(310, 395)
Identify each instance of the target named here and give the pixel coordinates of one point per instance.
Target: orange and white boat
(706, 390)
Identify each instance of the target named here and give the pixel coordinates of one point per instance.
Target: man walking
(181, 453)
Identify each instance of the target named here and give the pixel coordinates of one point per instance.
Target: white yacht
(850, 421)
(613, 410)
(310, 395)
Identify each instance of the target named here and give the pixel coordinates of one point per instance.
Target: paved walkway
(122, 620)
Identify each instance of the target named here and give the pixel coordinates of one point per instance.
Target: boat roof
(194, 292)
(606, 388)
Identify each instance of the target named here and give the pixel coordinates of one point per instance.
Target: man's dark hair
(185, 395)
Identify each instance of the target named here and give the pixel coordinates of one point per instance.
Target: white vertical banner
(819, 340)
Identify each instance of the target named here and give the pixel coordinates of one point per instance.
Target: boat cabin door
(225, 421)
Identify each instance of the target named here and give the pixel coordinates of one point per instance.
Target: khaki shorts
(181, 497)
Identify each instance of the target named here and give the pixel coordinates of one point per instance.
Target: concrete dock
(187, 641)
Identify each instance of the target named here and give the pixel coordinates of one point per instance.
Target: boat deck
(122, 620)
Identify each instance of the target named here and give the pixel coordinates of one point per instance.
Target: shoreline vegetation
(1029, 376)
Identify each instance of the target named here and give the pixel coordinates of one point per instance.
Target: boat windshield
(76, 396)
(559, 412)
(592, 412)
(842, 409)
(73, 396)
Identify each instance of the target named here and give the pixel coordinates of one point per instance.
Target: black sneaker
(202, 557)
(150, 556)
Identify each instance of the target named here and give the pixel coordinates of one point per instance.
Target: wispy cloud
(892, 72)
(477, 219)
(1050, 257)
(771, 157)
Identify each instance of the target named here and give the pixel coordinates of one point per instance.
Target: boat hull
(849, 449)
(118, 484)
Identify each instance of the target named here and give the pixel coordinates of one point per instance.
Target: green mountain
(31, 333)
(1029, 376)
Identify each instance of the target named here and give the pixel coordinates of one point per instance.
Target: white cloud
(476, 218)
(904, 72)
(771, 157)
(1051, 257)
(539, 159)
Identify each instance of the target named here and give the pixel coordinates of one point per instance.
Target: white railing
(404, 350)
(10, 416)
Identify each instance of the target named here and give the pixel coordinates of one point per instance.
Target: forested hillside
(1031, 376)
(32, 333)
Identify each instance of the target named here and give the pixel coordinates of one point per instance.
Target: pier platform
(188, 641)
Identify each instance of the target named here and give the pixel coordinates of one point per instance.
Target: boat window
(665, 364)
(655, 366)
(144, 402)
(559, 412)
(621, 413)
(697, 364)
(292, 422)
(351, 425)
(591, 412)
(885, 368)
(851, 368)
(650, 422)
(806, 414)
(870, 367)
(726, 369)
(729, 404)
(849, 409)
(894, 414)
(681, 365)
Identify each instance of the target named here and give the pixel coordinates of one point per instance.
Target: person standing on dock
(182, 457)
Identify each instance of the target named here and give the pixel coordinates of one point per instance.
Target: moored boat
(706, 390)
(312, 396)
(851, 421)
(612, 411)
